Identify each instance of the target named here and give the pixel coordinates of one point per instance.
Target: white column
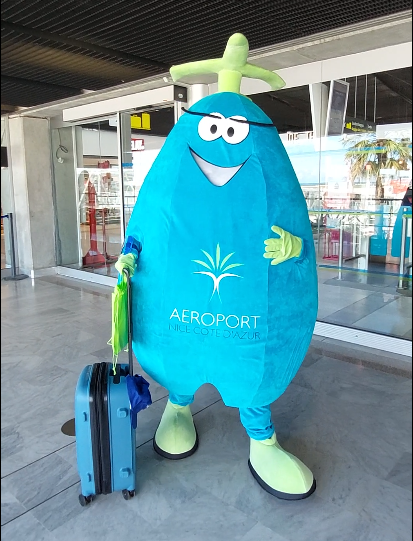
(32, 190)
(319, 105)
(125, 167)
(196, 93)
(65, 196)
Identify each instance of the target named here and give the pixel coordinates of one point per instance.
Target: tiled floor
(367, 302)
(351, 425)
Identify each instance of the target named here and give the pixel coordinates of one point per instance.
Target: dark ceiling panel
(22, 93)
(94, 44)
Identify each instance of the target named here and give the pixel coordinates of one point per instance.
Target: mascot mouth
(218, 176)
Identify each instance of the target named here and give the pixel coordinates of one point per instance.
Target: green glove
(126, 261)
(286, 246)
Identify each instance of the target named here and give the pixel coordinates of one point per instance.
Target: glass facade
(350, 143)
(111, 158)
(99, 194)
(142, 137)
(357, 184)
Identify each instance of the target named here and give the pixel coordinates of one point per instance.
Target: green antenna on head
(230, 68)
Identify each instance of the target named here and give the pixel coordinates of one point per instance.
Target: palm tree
(367, 155)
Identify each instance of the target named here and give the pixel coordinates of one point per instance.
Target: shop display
(224, 282)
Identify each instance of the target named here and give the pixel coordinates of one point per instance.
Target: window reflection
(357, 185)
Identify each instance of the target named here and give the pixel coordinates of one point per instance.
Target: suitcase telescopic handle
(129, 296)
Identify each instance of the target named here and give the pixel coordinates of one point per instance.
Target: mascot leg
(176, 436)
(278, 472)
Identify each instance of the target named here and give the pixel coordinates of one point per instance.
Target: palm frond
(367, 150)
(202, 263)
(226, 258)
(218, 256)
(232, 266)
(209, 258)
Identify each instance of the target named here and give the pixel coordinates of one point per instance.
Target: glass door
(99, 167)
(141, 136)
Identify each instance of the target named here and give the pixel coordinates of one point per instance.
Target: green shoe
(278, 472)
(176, 436)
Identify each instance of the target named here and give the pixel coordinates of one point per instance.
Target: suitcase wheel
(128, 494)
(85, 500)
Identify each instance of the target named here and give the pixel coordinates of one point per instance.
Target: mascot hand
(126, 261)
(282, 248)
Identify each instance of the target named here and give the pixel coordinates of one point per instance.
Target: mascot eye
(235, 132)
(210, 128)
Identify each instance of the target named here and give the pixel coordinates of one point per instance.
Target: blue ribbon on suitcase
(139, 396)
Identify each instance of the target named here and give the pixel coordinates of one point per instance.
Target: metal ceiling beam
(57, 38)
(39, 84)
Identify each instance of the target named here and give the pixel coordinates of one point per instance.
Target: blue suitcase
(105, 439)
(105, 433)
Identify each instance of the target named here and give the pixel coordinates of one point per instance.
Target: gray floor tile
(260, 532)
(351, 303)
(158, 482)
(60, 509)
(337, 428)
(401, 474)
(10, 506)
(395, 318)
(68, 453)
(362, 308)
(231, 481)
(310, 359)
(367, 530)
(11, 440)
(295, 401)
(108, 518)
(332, 299)
(41, 480)
(313, 518)
(341, 483)
(26, 528)
(353, 281)
(390, 505)
(193, 520)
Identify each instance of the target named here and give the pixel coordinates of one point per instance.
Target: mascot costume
(221, 254)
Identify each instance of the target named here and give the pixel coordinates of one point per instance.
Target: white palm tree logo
(217, 269)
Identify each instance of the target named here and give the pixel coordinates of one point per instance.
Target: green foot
(278, 472)
(176, 435)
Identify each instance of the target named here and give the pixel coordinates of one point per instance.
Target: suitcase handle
(129, 296)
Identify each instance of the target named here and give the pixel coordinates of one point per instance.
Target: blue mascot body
(207, 306)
